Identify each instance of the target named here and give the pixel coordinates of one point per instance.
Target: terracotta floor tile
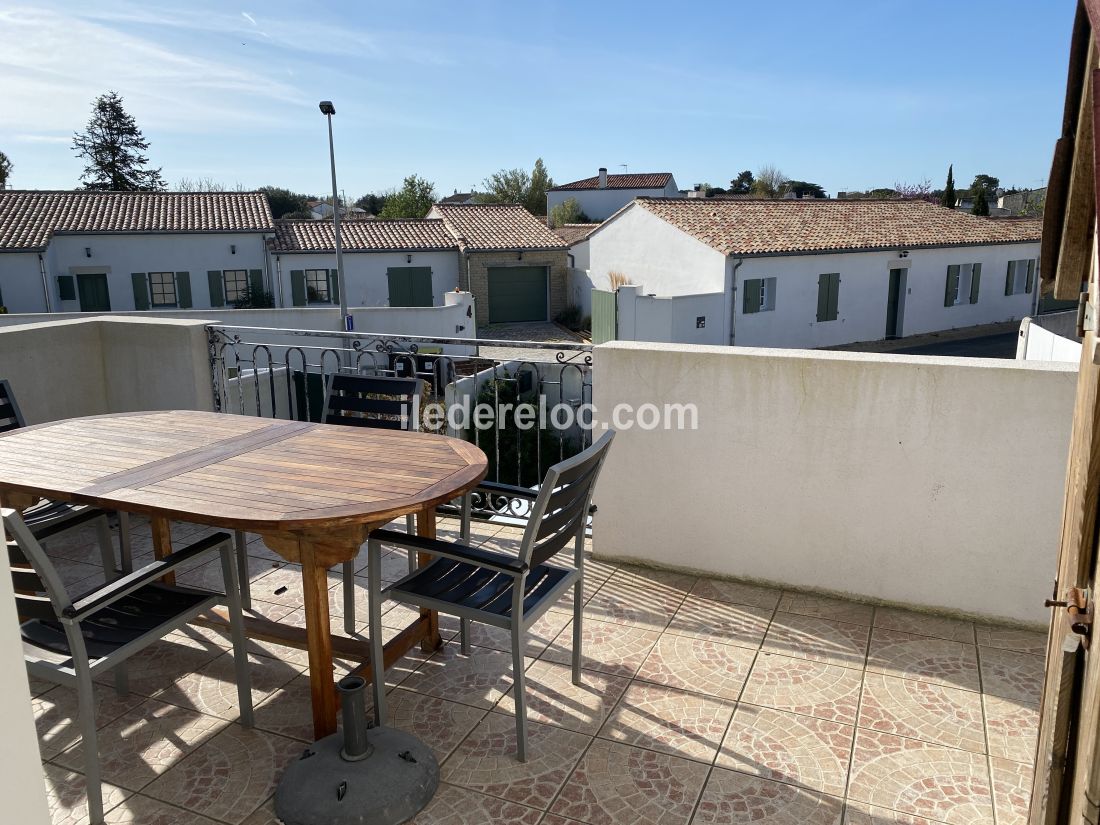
(943, 784)
(213, 689)
(924, 624)
(729, 798)
(460, 806)
(66, 795)
(486, 761)
(264, 815)
(163, 662)
(440, 724)
(860, 813)
(616, 783)
(1011, 791)
(1011, 675)
(553, 699)
(57, 721)
(208, 575)
(628, 599)
(612, 648)
(669, 720)
(799, 750)
(698, 665)
(734, 624)
(820, 640)
(923, 710)
(804, 686)
(538, 636)
(923, 658)
(144, 810)
(1012, 728)
(229, 776)
(479, 679)
(284, 586)
(1011, 638)
(824, 607)
(731, 592)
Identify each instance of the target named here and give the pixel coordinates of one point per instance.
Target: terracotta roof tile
(759, 227)
(362, 236)
(29, 218)
(643, 180)
(573, 233)
(496, 226)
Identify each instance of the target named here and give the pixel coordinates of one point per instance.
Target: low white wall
(580, 290)
(1039, 344)
(932, 482)
(670, 319)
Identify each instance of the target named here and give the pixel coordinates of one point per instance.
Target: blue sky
(849, 93)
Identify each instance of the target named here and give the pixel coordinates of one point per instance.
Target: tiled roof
(573, 233)
(458, 197)
(29, 218)
(496, 226)
(362, 236)
(760, 227)
(644, 180)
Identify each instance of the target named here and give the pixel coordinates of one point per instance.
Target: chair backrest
(560, 512)
(369, 401)
(39, 590)
(10, 416)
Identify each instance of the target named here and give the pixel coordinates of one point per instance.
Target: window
(1020, 277)
(759, 295)
(828, 295)
(162, 289)
(317, 286)
(236, 284)
(962, 284)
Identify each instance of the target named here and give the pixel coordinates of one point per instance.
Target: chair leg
(89, 740)
(410, 527)
(378, 672)
(464, 636)
(125, 548)
(349, 597)
(106, 548)
(464, 529)
(240, 544)
(519, 689)
(236, 630)
(578, 614)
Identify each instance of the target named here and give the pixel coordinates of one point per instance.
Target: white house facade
(603, 195)
(811, 273)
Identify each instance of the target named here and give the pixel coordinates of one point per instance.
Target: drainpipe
(45, 282)
(733, 296)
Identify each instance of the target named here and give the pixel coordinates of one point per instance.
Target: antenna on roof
(623, 166)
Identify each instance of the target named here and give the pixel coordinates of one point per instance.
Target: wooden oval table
(312, 492)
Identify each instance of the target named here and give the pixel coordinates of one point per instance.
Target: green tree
(284, 202)
(113, 149)
(949, 198)
(769, 183)
(568, 211)
(5, 171)
(535, 202)
(985, 182)
(742, 184)
(519, 186)
(413, 200)
(805, 189)
(372, 203)
(981, 205)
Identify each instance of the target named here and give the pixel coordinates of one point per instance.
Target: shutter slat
(975, 280)
(951, 290)
(217, 292)
(333, 286)
(256, 286)
(1030, 276)
(141, 290)
(834, 296)
(751, 302)
(822, 297)
(298, 287)
(1010, 278)
(183, 290)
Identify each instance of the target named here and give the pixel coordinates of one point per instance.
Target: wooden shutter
(183, 290)
(333, 286)
(1010, 278)
(141, 290)
(1030, 276)
(951, 291)
(66, 287)
(256, 285)
(298, 287)
(975, 279)
(834, 296)
(217, 290)
(822, 297)
(751, 302)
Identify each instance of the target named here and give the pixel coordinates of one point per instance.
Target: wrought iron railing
(281, 373)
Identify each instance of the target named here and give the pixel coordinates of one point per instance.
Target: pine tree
(949, 196)
(981, 205)
(536, 192)
(5, 171)
(113, 148)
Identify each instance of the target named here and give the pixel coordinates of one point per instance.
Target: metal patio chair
(70, 641)
(495, 588)
(52, 514)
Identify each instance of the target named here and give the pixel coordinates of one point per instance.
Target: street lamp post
(328, 110)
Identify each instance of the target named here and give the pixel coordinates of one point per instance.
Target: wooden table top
(237, 471)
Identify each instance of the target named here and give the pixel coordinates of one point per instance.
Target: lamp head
(327, 108)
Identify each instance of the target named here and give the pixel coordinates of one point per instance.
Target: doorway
(93, 292)
(894, 303)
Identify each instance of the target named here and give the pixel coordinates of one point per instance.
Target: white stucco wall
(365, 273)
(21, 282)
(1039, 344)
(601, 204)
(647, 318)
(929, 482)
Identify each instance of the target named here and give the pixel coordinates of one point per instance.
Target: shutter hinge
(1086, 315)
(1078, 613)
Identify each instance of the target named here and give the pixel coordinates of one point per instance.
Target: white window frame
(966, 279)
(767, 294)
(310, 284)
(234, 293)
(158, 281)
(1019, 276)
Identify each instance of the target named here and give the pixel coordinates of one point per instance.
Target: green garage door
(517, 293)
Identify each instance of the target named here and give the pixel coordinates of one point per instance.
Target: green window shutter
(1030, 276)
(751, 301)
(422, 288)
(834, 296)
(141, 290)
(822, 297)
(183, 290)
(298, 287)
(333, 286)
(66, 287)
(975, 279)
(256, 284)
(1010, 278)
(952, 288)
(217, 289)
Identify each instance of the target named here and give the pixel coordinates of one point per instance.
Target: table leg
(425, 526)
(319, 642)
(162, 543)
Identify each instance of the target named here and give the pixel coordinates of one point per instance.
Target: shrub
(570, 317)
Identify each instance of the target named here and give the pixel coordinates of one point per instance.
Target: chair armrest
(453, 550)
(111, 592)
(497, 489)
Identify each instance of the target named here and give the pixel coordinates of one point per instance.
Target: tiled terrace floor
(704, 701)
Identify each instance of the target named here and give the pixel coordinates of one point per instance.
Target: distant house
(322, 211)
(100, 251)
(460, 198)
(603, 195)
(514, 266)
(811, 272)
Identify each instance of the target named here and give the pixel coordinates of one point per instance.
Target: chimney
(603, 177)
